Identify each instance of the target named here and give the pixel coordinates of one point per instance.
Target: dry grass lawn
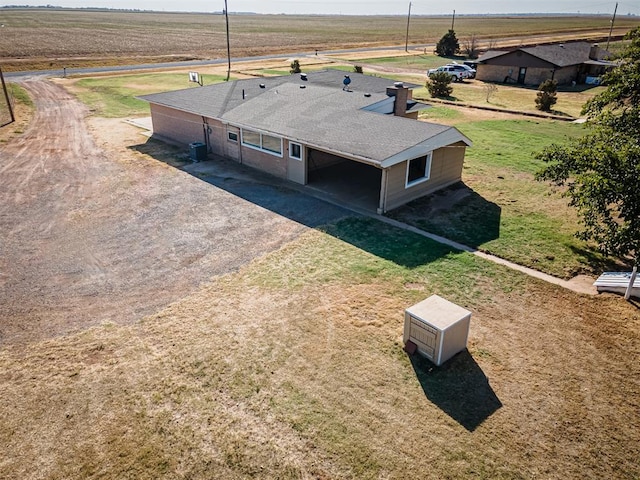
(293, 368)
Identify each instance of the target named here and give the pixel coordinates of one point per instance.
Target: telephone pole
(453, 19)
(8, 100)
(406, 43)
(611, 29)
(226, 18)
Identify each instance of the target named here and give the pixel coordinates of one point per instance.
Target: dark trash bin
(197, 151)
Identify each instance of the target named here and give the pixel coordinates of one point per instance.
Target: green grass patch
(441, 113)
(114, 97)
(19, 94)
(505, 211)
(384, 254)
(502, 144)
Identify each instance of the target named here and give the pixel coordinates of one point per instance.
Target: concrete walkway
(217, 166)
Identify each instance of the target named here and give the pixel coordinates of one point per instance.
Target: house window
(251, 138)
(262, 142)
(272, 144)
(233, 136)
(295, 151)
(418, 170)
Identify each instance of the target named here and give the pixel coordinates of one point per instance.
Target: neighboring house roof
(321, 115)
(559, 55)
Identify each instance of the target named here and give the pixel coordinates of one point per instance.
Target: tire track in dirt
(90, 235)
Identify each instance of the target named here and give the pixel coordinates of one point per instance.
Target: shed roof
(559, 55)
(321, 115)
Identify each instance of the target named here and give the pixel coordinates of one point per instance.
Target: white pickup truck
(458, 71)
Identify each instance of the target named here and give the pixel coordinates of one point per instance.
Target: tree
(547, 95)
(489, 90)
(448, 45)
(439, 84)
(295, 67)
(602, 169)
(470, 47)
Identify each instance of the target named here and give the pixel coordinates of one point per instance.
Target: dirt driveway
(89, 236)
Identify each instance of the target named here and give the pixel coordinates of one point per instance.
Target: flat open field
(52, 38)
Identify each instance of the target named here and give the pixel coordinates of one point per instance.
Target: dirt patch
(95, 231)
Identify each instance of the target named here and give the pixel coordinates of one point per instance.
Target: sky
(358, 7)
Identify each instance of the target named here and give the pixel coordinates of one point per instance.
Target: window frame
(236, 134)
(260, 147)
(428, 159)
(299, 145)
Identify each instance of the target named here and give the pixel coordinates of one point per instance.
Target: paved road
(88, 237)
(546, 38)
(193, 63)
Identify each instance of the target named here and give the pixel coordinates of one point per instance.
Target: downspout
(206, 131)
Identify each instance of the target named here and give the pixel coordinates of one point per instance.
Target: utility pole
(406, 43)
(611, 29)
(6, 96)
(226, 17)
(453, 19)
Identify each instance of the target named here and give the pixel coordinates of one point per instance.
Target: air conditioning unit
(436, 328)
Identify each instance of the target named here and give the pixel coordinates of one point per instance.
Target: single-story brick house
(578, 62)
(293, 126)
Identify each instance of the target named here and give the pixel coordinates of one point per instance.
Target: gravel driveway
(87, 238)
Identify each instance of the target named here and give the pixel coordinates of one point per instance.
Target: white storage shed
(437, 327)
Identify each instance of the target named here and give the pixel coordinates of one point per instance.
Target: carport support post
(383, 192)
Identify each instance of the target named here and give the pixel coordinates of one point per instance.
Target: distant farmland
(48, 38)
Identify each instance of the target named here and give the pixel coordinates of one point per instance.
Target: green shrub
(547, 97)
(295, 67)
(439, 84)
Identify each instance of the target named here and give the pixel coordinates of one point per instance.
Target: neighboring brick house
(293, 126)
(578, 62)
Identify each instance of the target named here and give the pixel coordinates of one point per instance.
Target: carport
(347, 181)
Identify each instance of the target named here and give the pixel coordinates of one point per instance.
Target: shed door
(424, 336)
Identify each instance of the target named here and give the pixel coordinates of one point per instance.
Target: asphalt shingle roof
(559, 55)
(321, 114)
(317, 115)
